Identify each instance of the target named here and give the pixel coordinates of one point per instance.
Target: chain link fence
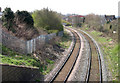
(28, 46)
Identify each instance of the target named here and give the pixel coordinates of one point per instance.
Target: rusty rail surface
(64, 72)
(94, 72)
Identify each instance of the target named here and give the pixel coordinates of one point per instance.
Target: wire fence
(28, 46)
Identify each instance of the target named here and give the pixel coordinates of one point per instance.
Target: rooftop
(77, 16)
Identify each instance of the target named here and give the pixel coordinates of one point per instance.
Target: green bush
(24, 17)
(67, 23)
(47, 19)
(8, 19)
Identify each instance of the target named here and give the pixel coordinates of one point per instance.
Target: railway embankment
(90, 69)
(61, 60)
(110, 48)
(44, 59)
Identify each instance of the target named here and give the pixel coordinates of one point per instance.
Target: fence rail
(26, 47)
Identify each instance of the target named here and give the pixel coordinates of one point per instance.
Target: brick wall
(20, 73)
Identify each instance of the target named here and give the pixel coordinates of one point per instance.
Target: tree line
(45, 18)
(9, 19)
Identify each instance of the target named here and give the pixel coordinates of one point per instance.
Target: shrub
(24, 17)
(94, 20)
(8, 18)
(67, 23)
(47, 19)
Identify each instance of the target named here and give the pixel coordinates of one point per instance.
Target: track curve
(65, 70)
(94, 71)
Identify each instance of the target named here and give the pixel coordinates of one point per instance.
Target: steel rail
(99, 59)
(52, 80)
(73, 63)
(89, 64)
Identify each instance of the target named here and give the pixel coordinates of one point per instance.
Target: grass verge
(10, 57)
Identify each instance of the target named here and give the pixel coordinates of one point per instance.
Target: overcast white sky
(81, 7)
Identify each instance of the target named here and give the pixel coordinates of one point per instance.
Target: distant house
(69, 19)
(78, 19)
(110, 17)
(75, 19)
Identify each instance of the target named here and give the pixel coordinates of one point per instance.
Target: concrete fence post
(34, 45)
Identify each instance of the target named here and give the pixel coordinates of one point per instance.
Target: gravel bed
(81, 67)
(79, 72)
(105, 73)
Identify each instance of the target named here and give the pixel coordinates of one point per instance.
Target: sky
(81, 7)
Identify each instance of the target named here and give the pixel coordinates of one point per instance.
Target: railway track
(94, 71)
(65, 70)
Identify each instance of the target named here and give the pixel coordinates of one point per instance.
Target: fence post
(27, 46)
(34, 45)
(60, 33)
(31, 46)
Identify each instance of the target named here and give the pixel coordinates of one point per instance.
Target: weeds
(49, 61)
(65, 41)
(110, 50)
(10, 57)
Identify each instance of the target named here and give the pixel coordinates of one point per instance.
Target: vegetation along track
(65, 70)
(94, 69)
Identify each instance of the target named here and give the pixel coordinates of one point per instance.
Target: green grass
(110, 51)
(97, 36)
(65, 40)
(110, 39)
(45, 69)
(102, 39)
(52, 31)
(96, 33)
(112, 56)
(49, 61)
(86, 28)
(10, 57)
